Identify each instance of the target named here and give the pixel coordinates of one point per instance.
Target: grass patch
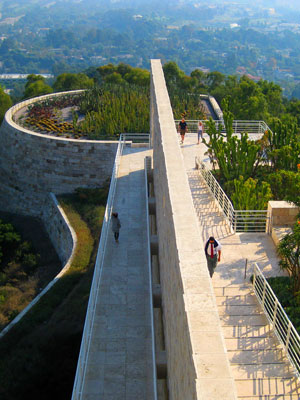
(39, 355)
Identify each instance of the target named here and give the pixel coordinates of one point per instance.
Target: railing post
(275, 312)
(264, 294)
(288, 335)
(246, 265)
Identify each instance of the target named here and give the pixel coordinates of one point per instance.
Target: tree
(37, 88)
(246, 101)
(285, 185)
(5, 103)
(214, 79)
(173, 74)
(289, 251)
(234, 156)
(250, 195)
(70, 81)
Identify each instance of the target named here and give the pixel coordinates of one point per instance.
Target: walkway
(258, 363)
(119, 365)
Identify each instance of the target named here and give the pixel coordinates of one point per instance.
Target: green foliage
(250, 195)
(285, 185)
(283, 289)
(123, 73)
(69, 81)
(9, 240)
(234, 157)
(246, 101)
(5, 103)
(37, 88)
(289, 251)
(112, 109)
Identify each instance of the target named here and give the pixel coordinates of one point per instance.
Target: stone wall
(282, 213)
(58, 228)
(64, 240)
(197, 363)
(32, 165)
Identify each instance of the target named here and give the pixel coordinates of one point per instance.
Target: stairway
(258, 362)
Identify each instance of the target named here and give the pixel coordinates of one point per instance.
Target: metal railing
(89, 320)
(238, 220)
(94, 292)
(255, 129)
(278, 319)
(136, 137)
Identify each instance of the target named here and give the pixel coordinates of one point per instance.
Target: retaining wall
(58, 228)
(64, 240)
(197, 363)
(32, 164)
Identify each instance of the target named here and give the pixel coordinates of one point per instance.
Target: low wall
(64, 240)
(197, 363)
(282, 213)
(58, 228)
(32, 164)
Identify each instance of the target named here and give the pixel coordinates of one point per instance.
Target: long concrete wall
(32, 164)
(198, 367)
(58, 228)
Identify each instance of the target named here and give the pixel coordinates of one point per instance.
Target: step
(259, 319)
(233, 290)
(250, 371)
(257, 356)
(267, 386)
(271, 397)
(240, 331)
(237, 300)
(256, 343)
(239, 310)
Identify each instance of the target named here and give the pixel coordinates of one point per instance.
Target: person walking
(182, 127)
(200, 131)
(115, 226)
(213, 254)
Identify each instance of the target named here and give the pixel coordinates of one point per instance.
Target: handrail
(220, 196)
(89, 321)
(150, 286)
(239, 220)
(277, 317)
(239, 126)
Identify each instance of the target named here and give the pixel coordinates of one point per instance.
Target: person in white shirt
(200, 131)
(213, 254)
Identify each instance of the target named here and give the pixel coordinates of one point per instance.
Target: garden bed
(56, 117)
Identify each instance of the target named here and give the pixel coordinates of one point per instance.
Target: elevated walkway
(258, 362)
(119, 364)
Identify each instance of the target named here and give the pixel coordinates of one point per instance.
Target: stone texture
(32, 165)
(185, 281)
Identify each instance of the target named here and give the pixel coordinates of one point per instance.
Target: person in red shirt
(213, 254)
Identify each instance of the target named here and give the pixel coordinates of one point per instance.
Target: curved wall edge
(64, 240)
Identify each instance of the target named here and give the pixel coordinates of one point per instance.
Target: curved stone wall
(32, 164)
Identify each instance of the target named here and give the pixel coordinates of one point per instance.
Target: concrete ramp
(120, 360)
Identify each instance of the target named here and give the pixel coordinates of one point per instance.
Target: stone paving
(119, 365)
(256, 247)
(258, 362)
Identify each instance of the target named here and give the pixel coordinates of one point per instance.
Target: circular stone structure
(34, 164)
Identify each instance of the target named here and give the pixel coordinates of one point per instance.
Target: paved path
(119, 365)
(236, 248)
(258, 362)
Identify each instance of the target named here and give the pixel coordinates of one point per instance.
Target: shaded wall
(197, 363)
(32, 165)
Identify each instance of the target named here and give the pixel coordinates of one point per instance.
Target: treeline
(246, 99)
